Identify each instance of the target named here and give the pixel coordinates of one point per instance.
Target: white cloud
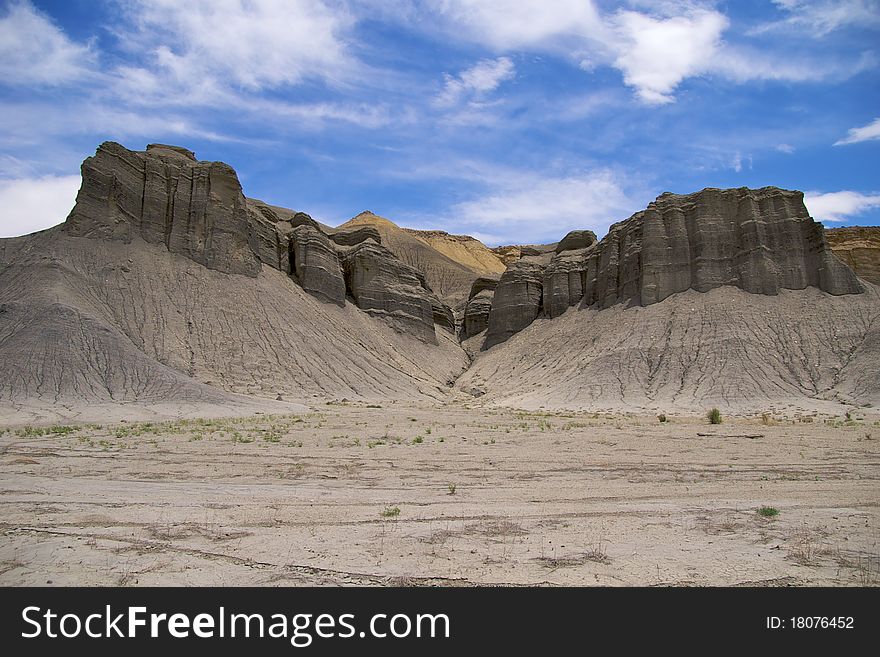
(33, 50)
(785, 148)
(656, 54)
(865, 133)
(514, 24)
(249, 44)
(655, 45)
(742, 64)
(365, 115)
(838, 206)
(31, 204)
(483, 77)
(736, 163)
(822, 17)
(528, 207)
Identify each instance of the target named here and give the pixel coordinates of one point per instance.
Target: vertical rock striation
(760, 240)
(164, 195)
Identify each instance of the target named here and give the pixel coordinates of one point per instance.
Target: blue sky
(511, 120)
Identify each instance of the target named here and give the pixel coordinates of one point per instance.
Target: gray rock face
(196, 209)
(476, 314)
(355, 235)
(483, 283)
(166, 197)
(269, 237)
(517, 301)
(576, 239)
(315, 263)
(442, 314)
(476, 311)
(564, 281)
(384, 286)
(760, 240)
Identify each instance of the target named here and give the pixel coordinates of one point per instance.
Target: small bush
(768, 512)
(714, 416)
(452, 488)
(390, 512)
(662, 417)
(418, 440)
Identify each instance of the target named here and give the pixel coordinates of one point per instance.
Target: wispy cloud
(865, 133)
(253, 45)
(821, 17)
(31, 204)
(655, 45)
(481, 78)
(521, 24)
(35, 51)
(840, 206)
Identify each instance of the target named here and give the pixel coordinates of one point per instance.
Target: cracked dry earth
(437, 495)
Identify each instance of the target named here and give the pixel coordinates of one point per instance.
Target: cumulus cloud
(839, 206)
(35, 51)
(31, 204)
(656, 54)
(484, 77)
(865, 133)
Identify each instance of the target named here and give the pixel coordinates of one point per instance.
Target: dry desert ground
(357, 494)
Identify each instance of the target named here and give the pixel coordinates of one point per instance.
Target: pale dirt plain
(347, 493)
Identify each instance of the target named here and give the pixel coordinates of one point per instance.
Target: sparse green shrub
(418, 440)
(452, 488)
(390, 512)
(662, 417)
(714, 416)
(768, 512)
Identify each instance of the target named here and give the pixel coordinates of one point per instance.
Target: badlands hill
(448, 271)
(167, 291)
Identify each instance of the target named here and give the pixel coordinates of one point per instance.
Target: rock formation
(355, 235)
(314, 261)
(197, 209)
(576, 239)
(165, 196)
(858, 247)
(167, 283)
(476, 313)
(448, 278)
(759, 240)
(385, 287)
(565, 275)
(517, 300)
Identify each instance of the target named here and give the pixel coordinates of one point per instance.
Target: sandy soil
(350, 494)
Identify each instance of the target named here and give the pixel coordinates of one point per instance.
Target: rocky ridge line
(164, 195)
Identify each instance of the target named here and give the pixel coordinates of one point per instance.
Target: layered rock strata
(476, 312)
(760, 240)
(164, 195)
